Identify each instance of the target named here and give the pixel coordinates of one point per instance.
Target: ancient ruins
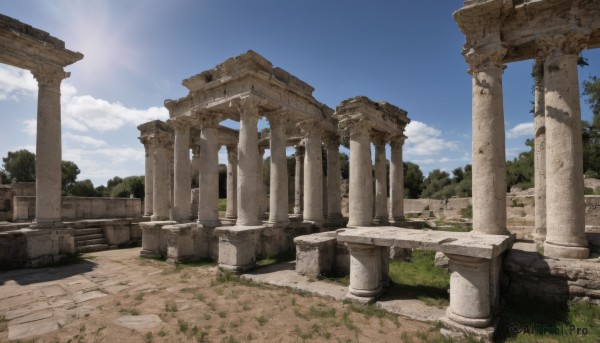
(183, 224)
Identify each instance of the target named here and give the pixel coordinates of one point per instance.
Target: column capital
(277, 118)
(147, 142)
(355, 127)
(397, 140)
(205, 119)
(571, 43)
(331, 139)
(247, 107)
(161, 140)
(484, 58)
(309, 127)
(49, 77)
(380, 139)
(180, 124)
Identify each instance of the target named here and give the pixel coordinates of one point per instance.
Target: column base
(157, 218)
(561, 251)
(47, 224)
(397, 220)
(360, 300)
(455, 329)
(471, 322)
(539, 238)
(381, 221)
(277, 223)
(209, 223)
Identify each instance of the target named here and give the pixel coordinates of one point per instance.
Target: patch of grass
(370, 311)
(347, 322)
(321, 311)
(183, 325)
(301, 334)
(261, 320)
(202, 263)
(3, 324)
(229, 339)
(162, 333)
(222, 205)
(139, 296)
(246, 307)
(170, 306)
(133, 311)
(287, 256)
(198, 334)
(148, 337)
(222, 314)
(467, 212)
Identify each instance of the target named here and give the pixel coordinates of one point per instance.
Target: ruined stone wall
(6, 195)
(78, 208)
(23, 189)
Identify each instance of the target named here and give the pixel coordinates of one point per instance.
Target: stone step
(92, 248)
(90, 242)
(88, 231)
(88, 237)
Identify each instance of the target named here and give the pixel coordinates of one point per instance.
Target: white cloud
(86, 140)
(16, 83)
(30, 127)
(521, 130)
(424, 140)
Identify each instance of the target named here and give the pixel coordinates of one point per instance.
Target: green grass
(467, 212)
(206, 263)
(222, 205)
(528, 320)
(287, 256)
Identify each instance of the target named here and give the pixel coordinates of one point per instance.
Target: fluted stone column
(299, 179)
(261, 194)
(232, 161)
(148, 176)
(162, 145)
(195, 166)
(248, 166)
(208, 199)
(396, 180)
(182, 187)
(334, 198)
(278, 201)
(489, 161)
(539, 158)
(48, 148)
(360, 195)
(565, 219)
(381, 188)
(313, 173)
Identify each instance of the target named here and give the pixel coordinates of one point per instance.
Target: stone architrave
(48, 148)
(208, 199)
(396, 180)
(278, 201)
(148, 176)
(232, 162)
(313, 173)
(299, 179)
(182, 186)
(565, 218)
(162, 144)
(247, 187)
(539, 158)
(489, 161)
(360, 192)
(334, 198)
(381, 188)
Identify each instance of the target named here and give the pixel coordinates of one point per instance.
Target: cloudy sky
(137, 52)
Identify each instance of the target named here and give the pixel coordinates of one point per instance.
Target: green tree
(591, 89)
(519, 171)
(434, 183)
(69, 173)
(131, 185)
(20, 166)
(4, 177)
(413, 180)
(84, 188)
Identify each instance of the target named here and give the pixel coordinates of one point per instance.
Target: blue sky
(137, 53)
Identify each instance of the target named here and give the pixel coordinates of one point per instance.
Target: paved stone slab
(38, 327)
(114, 289)
(26, 310)
(31, 317)
(53, 291)
(80, 284)
(19, 300)
(143, 322)
(411, 308)
(83, 297)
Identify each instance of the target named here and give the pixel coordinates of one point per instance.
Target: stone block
(117, 234)
(66, 241)
(153, 242)
(180, 242)
(272, 242)
(237, 247)
(315, 254)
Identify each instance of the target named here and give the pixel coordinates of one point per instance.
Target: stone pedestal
(313, 174)
(315, 254)
(154, 244)
(48, 147)
(180, 242)
(232, 160)
(365, 272)
(469, 291)
(361, 186)
(381, 188)
(161, 187)
(238, 247)
(489, 161)
(396, 180)
(565, 203)
(299, 179)
(208, 200)
(278, 208)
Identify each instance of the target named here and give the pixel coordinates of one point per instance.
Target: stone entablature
(380, 115)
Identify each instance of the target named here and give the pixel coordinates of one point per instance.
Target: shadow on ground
(75, 265)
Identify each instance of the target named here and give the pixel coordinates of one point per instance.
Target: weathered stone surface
(143, 322)
(441, 260)
(34, 328)
(83, 297)
(315, 254)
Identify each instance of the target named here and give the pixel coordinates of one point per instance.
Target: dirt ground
(115, 296)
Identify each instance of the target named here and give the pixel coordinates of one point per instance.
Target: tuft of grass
(148, 337)
(321, 311)
(139, 297)
(170, 306)
(467, 212)
(222, 314)
(229, 339)
(162, 333)
(3, 324)
(183, 325)
(261, 320)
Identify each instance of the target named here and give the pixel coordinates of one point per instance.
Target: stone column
(489, 161)
(360, 197)
(381, 188)
(162, 145)
(48, 149)
(396, 180)
(195, 166)
(247, 204)
(232, 161)
(148, 176)
(565, 203)
(182, 187)
(539, 158)
(299, 179)
(365, 271)
(208, 198)
(278, 201)
(334, 198)
(313, 173)
(261, 194)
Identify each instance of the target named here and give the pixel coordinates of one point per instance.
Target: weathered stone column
(361, 191)
(365, 271)
(232, 161)
(489, 161)
(278, 201)
(565, 219)
(299, 179)
(396, 180)
(261, 194)
(148, 176)
(334, 198)
(381, 188)
(248, 166)
(313, 173)
(182, 188)
(48, 148)
(539, 158)
(162, 145)
(195, 166)
(208, 199)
